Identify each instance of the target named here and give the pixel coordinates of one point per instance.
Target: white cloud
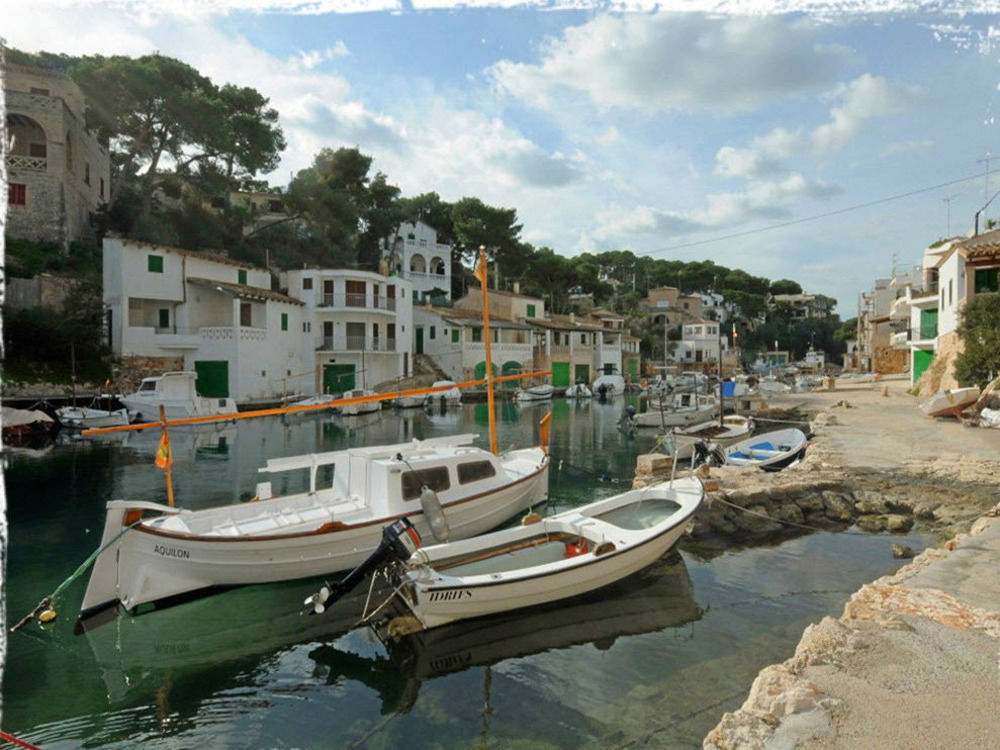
(908, 147)
(673, 61)
(862, 100)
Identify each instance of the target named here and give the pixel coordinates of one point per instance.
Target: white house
(453, 338)
(415, 254)
(358, 327)
(199, 312)
(701, 342)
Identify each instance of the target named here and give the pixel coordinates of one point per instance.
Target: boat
(27, 427)
(734, 427)
(330, 525)
(608, 385)
(450, 397)
(578, 390)
(542, 392)
(771, 385)
(771, 451)
(89, 417)
(359, 407)
(682, 409)
(323, 398)
(176, 393)
(950, 403)
(545, 559)
(408, 402)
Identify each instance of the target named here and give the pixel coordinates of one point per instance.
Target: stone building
(58, 174)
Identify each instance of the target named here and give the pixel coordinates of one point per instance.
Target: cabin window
(474, 471)
(155, 264)
(147, 385)
(414, 481)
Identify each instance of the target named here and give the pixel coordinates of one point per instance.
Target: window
(355, 293)
(949, 291)
(436, 479)
(284, 321)
(307, 327)
(241, 276)
(154, 264)
(986, 280)
(307, 283)
(555, 338)
(477, 335)
(531, 311)
(454, 335)
(38, 149)
(164, 318)
(246, 314)
(473, 471)
(17, 194)
(433, 332)
(102, 187)
(86, 172)
(276, 207)
(583, 338)
(218, 202)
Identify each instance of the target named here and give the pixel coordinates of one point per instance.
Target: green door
(582, 374)
(480, 373)
(420, 340)
(633, 369)
(213, 379)
(928, 324)
(560, 374)
(338, 378)
(922, 359)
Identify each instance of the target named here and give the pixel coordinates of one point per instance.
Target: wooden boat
(734, 428)
(950, 403)
(554, 558)
(175, 392)
(359, 407)
(329, 526)
(771, 451)
(682, 409)
(578, 390)
(542, 392)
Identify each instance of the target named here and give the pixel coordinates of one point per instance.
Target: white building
(415, 254)
(700, 342)
(217, 317)
(358, 327)
(453, 338)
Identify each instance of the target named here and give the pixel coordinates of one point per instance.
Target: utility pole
(947, 202)
(986, 161)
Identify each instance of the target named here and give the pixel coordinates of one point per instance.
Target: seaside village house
(567, 345)
(358, 326)
(801, 306)
(703, 348)
(171, 309)
(413, 253)
(58, 174)
(954, 272)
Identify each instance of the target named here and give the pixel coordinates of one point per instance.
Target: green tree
(979, 327)
(785, 286)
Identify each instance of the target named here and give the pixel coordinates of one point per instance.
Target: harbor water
(653, 661)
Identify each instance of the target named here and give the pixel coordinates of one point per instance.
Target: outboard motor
(399, 540)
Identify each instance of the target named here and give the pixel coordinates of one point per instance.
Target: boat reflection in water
(655, 599)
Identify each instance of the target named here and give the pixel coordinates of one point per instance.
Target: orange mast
(480, 274)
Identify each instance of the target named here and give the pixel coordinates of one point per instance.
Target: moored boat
(681, 409)
(359, 407)
(578, 390)
(770, 451)
(950, 403)
(89, 417)
(328, 527)
(553, 558)
(541, 392)
(734, 427)
(176, 393)
(450, 397)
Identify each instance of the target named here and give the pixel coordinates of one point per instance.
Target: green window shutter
(155, 263)
(454, 335)
(987, 280)
(241, 276)
(284, 321)
(477, 335)
(531, 311)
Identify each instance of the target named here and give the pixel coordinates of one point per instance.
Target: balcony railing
(27, 163)
(356, 300)
(357, 344)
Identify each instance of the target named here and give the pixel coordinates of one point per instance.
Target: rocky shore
(914, 660)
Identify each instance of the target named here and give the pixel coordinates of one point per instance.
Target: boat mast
(481, 275)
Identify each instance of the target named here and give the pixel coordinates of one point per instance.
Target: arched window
(30, 144)
(438, 266)
(418, 264)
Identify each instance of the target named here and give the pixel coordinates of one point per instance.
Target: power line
(814, 217)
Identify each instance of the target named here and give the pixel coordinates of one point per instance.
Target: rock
(653, 464)
(925, 510)
(837, 507)
(757, 521)
(809, 501)
(871, 522)
(898, 523)
(871, 503)
(902, 552)
(790, 512)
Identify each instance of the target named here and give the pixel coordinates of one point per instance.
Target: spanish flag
(164, 458)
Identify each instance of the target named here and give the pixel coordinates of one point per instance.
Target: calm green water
(652, 662)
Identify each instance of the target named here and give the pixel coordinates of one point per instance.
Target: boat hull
(677, 418)
(439, 601)
(950, 403)
(771, 451)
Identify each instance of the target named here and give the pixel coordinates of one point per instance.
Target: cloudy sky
(821, 143)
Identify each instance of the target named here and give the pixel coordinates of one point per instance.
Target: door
(582, 374)
(420, 340)
(560, 374)
(213, 378)
(921, 361)
(338, 378)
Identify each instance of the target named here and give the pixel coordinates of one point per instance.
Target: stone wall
(891, 361)
(940, 375)
(44, 290)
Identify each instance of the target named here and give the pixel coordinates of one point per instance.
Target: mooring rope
(781, 421)
(789, 523)
(46, 602)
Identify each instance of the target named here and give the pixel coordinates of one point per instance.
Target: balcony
(357, 344)
(20, 163)
(358, 301)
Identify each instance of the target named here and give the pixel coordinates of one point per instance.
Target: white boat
(90, 417)
(557, 557)
(26, 426)
(408, 402)
(449, 397)
(330, 525)
(323, 398)
(734, 428)
(608, 385)
(542, 392)
(951, 402)
(771, 451)
(176, 392)
(578, 390)
(772, 385)
(682, 409)
(364, 407)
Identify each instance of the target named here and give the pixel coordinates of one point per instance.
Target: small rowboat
(734, 427)
(541, 392)
(771, 451)
(547, 559)
(950, 403)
